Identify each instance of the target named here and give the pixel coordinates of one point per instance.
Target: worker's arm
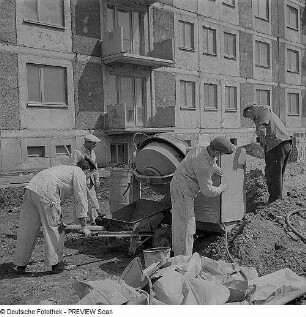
(76, 156)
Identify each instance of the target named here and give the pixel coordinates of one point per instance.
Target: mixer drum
(157, 160)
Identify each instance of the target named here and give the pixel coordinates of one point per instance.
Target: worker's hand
(218, 171)
(86, 231)
(223, 187)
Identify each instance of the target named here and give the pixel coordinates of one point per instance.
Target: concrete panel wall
(294, 121)
(8, 21)
(86, 27)
(276, 102)
(290, 34)
(88, 87)
(10, 154)
(209, 9)
(303, 24)
(9, 107)
(44, 37)
(190, 5)
(246, 96)
(246, 54)
(275, 61)
(229, 14)
(281, 62)
(293, 78)
(261, 25)
(163, 24)
(303, 112)
(245, 13)
(164, 89)
(277, 18)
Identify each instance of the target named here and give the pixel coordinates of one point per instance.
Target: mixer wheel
(162, 237)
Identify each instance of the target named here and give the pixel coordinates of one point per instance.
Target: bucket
(155, 255)
(122, 189)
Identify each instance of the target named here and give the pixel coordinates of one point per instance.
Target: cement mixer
(155, 163)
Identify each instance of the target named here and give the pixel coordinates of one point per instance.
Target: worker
(194, 174)
(87, 150)
(41, 207)
(277, 145)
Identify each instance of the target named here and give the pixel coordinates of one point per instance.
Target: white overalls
(42, 208)
(91, 183)
(192, 175)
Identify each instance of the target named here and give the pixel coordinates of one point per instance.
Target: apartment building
(118, 67)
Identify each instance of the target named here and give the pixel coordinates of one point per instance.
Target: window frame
(214, 44)
(42, 23)
(257, 10)
(67, 153)
(289, 50)
(42, 102)
(206, 104)
(182, 44)
(185, 106)
(125, 154)
(234, 36)
(42, 147)
(226, 108)
(258, 42)
(260, 90)
(131, 11)
(289, 9)
(289, 105)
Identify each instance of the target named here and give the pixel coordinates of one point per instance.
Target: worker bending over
(41, 207)
(87, 151)
(277, 144)
(193, 175)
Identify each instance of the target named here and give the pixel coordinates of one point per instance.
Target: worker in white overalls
(41, 208)
(193, 175)
(90, 141)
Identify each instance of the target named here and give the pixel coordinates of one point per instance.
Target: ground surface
(262, 240)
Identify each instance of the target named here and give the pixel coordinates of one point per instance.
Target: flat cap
(91, 138)
(222, 144)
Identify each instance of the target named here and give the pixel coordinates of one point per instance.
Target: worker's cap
(222, 144)
(86, 164)
(91, 138)
(249, 107)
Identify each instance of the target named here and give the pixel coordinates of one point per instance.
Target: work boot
(21, 269)
(58, 268)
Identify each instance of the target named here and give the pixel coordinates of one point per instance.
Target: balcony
(116, 49)
(117, 121)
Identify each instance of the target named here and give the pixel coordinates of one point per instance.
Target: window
(293, 18)
(119, 153)
(209, 41)
(36, 151)
(229, 45)
(229, 2)
(187, 94)
(63, 150)
(129, 90)
(261, 8)
(293, 104)
(230, 98)
(186, 35)
(263, 97)
(131, 22)
(262, 54)
(293, 61)
(210, 96)
(50, 12)
(47, 85)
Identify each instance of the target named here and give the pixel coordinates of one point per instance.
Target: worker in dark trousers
(277, 144)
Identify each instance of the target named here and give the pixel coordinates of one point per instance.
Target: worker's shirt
(276, 132)
(196, 170)
(58, 183)
(81, 154)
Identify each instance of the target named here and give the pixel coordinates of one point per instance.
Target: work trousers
(93, 203)
(276, 161)
(36, 213)
(183, 219)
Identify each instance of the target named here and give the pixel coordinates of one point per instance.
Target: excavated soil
(262, 240)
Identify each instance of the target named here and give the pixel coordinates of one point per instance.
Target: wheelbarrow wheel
(162, 237)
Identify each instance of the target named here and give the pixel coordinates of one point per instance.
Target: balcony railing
(117, 119)
(116, 49)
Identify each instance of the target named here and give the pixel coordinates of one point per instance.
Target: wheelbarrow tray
(141, 215)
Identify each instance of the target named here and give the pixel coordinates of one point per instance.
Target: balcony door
(131, 23)
(129, 90)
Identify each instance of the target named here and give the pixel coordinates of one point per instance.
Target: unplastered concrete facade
(114, 91)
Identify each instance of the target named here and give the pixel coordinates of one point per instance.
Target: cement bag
(218, 267)
(169, 287)
(277, 288)
(107, 292)
(198, 291)
(238, 287)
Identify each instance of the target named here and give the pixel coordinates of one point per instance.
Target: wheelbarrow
(140, 221)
